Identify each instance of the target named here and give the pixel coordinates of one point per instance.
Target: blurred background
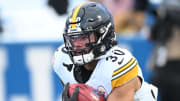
(31, 30)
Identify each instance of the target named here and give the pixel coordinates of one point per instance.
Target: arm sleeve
(125, 72)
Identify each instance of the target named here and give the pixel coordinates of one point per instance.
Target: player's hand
(65, 96)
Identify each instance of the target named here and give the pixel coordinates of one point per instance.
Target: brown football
(86, 93)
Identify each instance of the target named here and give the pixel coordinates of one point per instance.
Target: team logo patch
(94, 94)
(102, 90)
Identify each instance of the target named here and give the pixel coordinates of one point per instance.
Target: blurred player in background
(166, 60)
(129, 15)
(60, 6)
(90, 55)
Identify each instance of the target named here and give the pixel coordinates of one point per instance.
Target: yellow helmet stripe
(75, 14)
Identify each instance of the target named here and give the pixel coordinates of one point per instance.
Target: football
(86, 93)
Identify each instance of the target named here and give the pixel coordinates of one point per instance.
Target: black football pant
(167, 79)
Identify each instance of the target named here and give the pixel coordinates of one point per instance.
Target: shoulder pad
(125, 68)
(118, 56)
(61, 57)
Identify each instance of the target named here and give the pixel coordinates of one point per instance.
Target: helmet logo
(78, 19)
(103, 48)
(102, 30)
(71, 30)
(99, 18)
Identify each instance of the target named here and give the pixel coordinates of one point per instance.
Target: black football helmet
(168, 16)
(86, 19)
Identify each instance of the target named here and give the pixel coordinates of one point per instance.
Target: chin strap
(83, 59)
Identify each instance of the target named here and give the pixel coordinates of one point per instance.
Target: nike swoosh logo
(120, 62)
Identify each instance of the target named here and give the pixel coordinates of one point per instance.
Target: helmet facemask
(80, 46)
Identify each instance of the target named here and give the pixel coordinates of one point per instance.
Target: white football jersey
(116, 68)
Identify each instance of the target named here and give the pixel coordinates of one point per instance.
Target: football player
(91, 55)
(166, 57)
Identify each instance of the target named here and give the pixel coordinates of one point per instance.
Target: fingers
(66, 86)
(74, 96)
(66, 89)
(75, 93)
(65, 92)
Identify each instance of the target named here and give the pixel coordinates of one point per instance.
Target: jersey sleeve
(59, 59)
(128, 69)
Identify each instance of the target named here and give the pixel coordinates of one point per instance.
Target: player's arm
(125, 81)
(126, 91)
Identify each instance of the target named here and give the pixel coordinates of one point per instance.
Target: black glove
(74, 96)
